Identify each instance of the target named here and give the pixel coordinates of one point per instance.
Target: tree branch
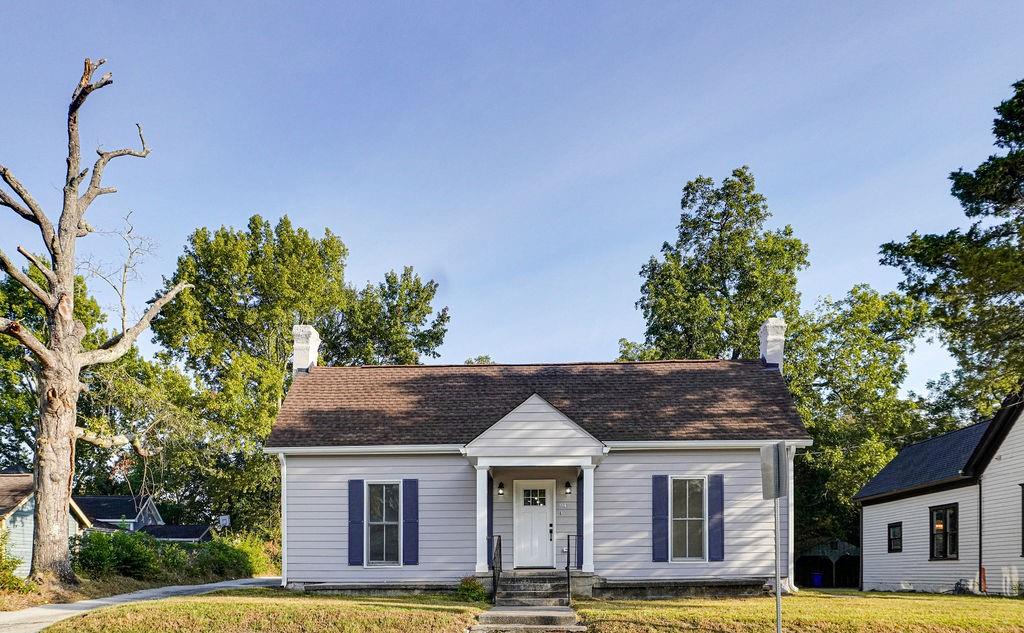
(113, 441)
(43, 268)
(94, 190)
(31, 210)
(71, 216)
(11, 269)
(120, 344)
(23, 335)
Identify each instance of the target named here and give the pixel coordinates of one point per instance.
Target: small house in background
(828, 563)
(947, 514)
(109, 513)
(127, 512)
(179, 533)
(17, 518)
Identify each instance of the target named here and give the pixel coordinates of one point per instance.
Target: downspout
(982, 583)
(860, 580)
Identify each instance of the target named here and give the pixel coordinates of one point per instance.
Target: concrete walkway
(38, 618)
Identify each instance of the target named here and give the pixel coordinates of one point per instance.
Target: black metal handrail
(495, 566)
(570, 540)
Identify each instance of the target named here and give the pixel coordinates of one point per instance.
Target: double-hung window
(688, 519)
(383, 523)
(895, 537)
(944, 528)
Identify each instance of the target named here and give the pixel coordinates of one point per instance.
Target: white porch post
(588, 518)
(481, 519)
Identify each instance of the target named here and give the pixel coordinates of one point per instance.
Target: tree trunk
(55, 439)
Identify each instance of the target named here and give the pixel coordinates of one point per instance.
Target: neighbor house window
(383, 511)
(945, 531)
(688, 519)
(895, 537)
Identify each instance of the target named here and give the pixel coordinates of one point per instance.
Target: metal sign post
(775, 484)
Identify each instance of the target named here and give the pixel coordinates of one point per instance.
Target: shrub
(258, 551)
(8, 563)
(220, 558)
(93, 554)
(175, 560)
(471, 590)
(135, 555)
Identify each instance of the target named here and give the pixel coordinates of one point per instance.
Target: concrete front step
(531, 602)
(527, 628)
(540, 616)
(516, 590)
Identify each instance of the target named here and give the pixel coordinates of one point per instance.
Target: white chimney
(307, 348)
(773, 342)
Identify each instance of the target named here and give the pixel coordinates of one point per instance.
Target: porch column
(481, 519)
(588, 518)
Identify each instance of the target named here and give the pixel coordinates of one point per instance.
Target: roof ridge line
(945, 434)
(671, 361)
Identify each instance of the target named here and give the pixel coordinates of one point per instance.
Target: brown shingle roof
(452, 404)
(13, 490)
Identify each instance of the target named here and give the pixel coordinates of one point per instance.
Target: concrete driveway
(38, 618)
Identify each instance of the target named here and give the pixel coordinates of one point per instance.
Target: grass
(238, 611)
(59, 593)
(809, 612)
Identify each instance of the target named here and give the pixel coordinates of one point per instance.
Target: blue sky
(527, 156)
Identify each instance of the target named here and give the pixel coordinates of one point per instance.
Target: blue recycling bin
(817, 579)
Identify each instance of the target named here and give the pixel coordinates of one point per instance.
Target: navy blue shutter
(355, 521)
(579, 522)
(716, 517)
(659, 518)
(490, 522)
(410, 521)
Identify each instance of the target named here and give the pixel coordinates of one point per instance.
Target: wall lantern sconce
(568, 488)
(501, 488)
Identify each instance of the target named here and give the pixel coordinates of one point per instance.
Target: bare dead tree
(58, 357)
(135, 247)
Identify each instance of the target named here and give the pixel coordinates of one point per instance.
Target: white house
(949, 511)
(641, 477)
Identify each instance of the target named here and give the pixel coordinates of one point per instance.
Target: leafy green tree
(845, 364)
(233, 331)
(483, 359)
(724, 275)
(386, 324)
(973, 279)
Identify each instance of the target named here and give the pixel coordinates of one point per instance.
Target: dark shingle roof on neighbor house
(14, 488)
(941, 459)
(183, 532)
(452, 404)
(110, 507)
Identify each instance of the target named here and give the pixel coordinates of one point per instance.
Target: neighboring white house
(17, 517)
(638, 475)
(950, 510)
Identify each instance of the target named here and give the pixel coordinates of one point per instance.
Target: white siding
(534, 428)
(911, 569)
(1001, 507)
(622, 509)
(317, 520)
(565, 510)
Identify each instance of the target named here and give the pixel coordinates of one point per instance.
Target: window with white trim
(688, 516)
(383, 523)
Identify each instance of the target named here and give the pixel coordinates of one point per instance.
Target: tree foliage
(721, 278)
(973, 279)
(845, 364)
(388, 323)
(233, 331)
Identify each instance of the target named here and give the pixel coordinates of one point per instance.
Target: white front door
(534, 523)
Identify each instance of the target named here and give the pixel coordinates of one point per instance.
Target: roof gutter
(931, 486)
(398, 449)
(659, 445)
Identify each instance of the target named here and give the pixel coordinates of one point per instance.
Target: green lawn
(809, 611)
(240, 611)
